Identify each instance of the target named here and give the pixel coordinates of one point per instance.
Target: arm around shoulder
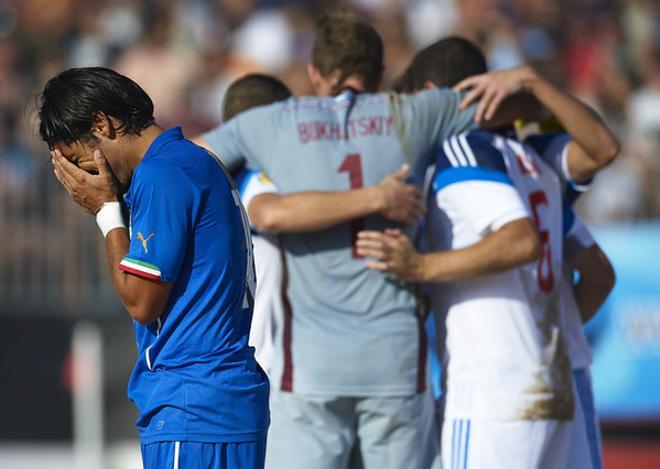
(597, 279)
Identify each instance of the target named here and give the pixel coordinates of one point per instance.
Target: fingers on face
(101, 162)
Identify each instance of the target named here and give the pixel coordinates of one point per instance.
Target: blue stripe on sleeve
(574, 190)
(568, 218)
(453, 175)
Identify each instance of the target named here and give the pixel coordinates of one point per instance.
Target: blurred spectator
(156, 65)
(186, 52)
(643, 117)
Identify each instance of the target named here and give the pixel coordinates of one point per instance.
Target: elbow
(530, 249)
(607, 279)
(142, 314)
(267, 221)
(610, 149)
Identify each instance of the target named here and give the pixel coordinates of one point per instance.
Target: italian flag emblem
(143, 269)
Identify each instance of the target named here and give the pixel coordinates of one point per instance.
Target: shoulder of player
(160, 173)
(333, 103)
(431, 97)
(475, 149)
(469, 156)
(548, 143)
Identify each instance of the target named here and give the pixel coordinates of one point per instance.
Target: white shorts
(585, 446)
(320, 432)
(504, 444)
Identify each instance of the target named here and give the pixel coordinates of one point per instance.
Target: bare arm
(144, 299)
(514, 244)
(593, 147)
(596, 281)
(309, 211)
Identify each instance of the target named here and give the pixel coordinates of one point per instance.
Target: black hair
(445, 63)
(251, 91)
(72, 100)
(403, 83)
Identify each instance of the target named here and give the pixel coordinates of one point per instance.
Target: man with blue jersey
(184, 273)
(487, 189)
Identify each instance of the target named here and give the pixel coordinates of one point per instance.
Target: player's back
(518, 370)
(196, 378)
(347, 329)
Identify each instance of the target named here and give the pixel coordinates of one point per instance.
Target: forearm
(597, 279)
(511, 246)
(310, 211)
(589, 298)
(581, 122)
(116, 247)
(143, 299)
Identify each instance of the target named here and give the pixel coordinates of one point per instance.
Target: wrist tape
(110, 217)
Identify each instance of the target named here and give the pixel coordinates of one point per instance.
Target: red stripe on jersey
(139, 273)
(287, 372)
(421, 313)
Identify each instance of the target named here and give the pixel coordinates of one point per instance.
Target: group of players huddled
(369, 211)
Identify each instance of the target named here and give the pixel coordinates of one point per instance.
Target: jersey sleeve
(472, 182)
(163, 206)
(576, 235)
(432, 116)
(251, 183)
(246, 136)
(553, 149)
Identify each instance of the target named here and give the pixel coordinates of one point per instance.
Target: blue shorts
(190, 455)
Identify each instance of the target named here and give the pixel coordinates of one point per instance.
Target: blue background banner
(625, 335)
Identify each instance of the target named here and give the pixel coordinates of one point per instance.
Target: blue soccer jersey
(196, 378)
(552, 148)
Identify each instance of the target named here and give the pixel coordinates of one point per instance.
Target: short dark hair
(403, 83)
(72, 100)
(348, 46)
(446, 62)
(251, 91)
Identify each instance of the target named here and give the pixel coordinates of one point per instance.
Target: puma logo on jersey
(144, 240)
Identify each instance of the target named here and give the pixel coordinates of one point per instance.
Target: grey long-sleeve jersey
(347, 330)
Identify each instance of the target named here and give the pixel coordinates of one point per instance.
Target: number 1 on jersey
(352, 165)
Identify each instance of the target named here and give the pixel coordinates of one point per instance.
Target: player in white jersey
(508, 396)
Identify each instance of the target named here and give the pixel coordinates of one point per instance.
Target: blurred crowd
(186, 52)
